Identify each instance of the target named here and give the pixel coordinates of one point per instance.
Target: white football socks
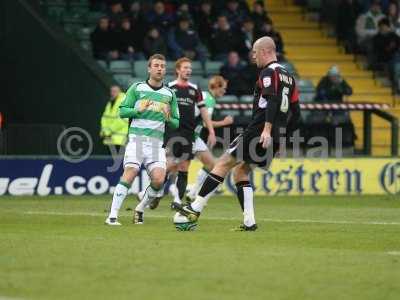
(201, 176)
(248, 214)
(174, 192)
(120, 192)
(149, 195)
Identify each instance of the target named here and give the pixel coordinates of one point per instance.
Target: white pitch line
(396, 253)
(220, 218)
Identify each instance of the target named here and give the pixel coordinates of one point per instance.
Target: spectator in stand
(224, 39)
(385, 45)
(346, 22)
(183, 11)
(116, 15)
(233, 71)
(367, 25)
(259, 14)
(267, 29)
(332, 87)
(136, 17)
(129, 42)
(154, 43)
(247, 37)
(183, 41)
(234, 14)
(250, 73)
(205, 22)
(394, 17)
(159, 18)
(102, 39)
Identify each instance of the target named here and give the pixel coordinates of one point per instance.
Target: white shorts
(144, 150)
(199, 145)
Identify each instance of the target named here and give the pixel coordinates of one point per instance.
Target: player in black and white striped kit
(275, 108)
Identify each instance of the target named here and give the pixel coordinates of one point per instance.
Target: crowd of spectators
(372, 28)
(200, 30)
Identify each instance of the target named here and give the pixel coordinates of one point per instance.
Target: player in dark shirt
(275, 108)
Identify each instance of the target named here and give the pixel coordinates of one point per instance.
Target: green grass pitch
(305, 248)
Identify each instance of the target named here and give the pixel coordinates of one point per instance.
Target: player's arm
(228, 120)
(127, 107)
(173, 120)
(268, 82)
(206, 119)
(294, 118)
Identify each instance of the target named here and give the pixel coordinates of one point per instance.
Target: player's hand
(167, 112)
(228, 120)
(144, 105)
(265, 139)
(211, 141)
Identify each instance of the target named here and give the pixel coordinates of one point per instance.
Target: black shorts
(179, 145)
(247, 147)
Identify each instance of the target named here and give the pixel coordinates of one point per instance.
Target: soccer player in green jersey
(216, 89)
(149, 104)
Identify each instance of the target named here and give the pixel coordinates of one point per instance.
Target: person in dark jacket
(332, 87)
(224, 39)
(183, 41)
(385, 45)
(267, 29)
(129, 42)
(259, 14)
(102, 39)
(159, 18)
(205, 21)
(154, 43)
(233, 71)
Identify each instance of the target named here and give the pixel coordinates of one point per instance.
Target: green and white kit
(144, 105)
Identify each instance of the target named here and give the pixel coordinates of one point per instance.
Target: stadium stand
(312, 51)
(310, 47)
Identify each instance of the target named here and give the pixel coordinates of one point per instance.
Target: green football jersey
(151, 120)
(210, 102)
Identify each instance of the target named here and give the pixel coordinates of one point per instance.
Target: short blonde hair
(216, 81)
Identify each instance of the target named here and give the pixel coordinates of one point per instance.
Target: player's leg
(154, 190)
(241, 176)
(172, 169)
(204, 155)
(132, 163)
(182, 178)
(224, 164)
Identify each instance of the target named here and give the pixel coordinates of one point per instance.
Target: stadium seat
(305, 86)
(228, 98)
(306, 97)
(140, 68)
(78, 8)
(86, 45)
(170, 67)
(103, 64)
(203, 83)
(121, 67)
(212, 67)
(197, 69)
(125, 81)
(83, 33)
(55, 12)
(247, 98)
